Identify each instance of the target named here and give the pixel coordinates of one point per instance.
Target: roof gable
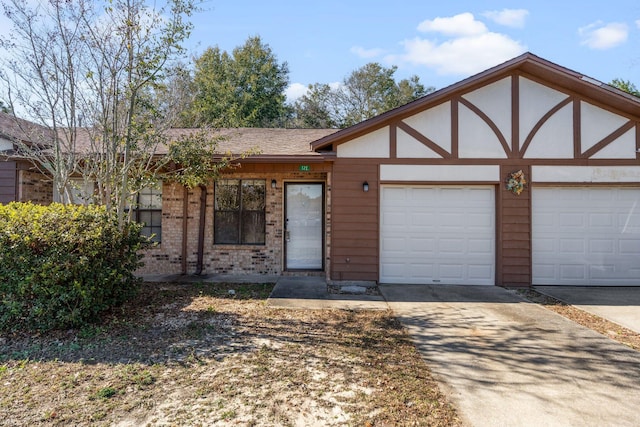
(558, 81)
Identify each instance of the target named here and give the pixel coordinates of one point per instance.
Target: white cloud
(638, 23)
(601, 36)
(508, 17)
(462, 55)
(469, 48)
(295, 91)
(463, 24)
(366, 53)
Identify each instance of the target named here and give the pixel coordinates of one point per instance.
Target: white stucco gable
(515, 114)
(374, 144)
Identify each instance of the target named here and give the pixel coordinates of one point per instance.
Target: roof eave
(281, 158)
(527, 62)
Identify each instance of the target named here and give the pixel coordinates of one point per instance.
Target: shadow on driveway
(508, 362)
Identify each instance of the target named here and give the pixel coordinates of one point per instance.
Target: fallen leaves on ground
(196, 354)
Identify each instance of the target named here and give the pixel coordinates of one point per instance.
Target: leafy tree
(3, 107)
(244, 89)
(626, 86)
(104, 64)
(318, 108)
(365, 93)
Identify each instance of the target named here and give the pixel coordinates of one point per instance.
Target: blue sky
(440, 41)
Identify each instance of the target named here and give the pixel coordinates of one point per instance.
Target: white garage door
(436, 235)
(586, 236)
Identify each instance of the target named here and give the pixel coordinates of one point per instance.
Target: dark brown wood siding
(7, 182)
(514, 233)
(354, 237)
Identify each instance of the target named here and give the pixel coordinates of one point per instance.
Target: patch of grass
(136, 375)
(228, 415)
(105, 393)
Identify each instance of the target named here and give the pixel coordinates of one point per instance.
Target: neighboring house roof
(527, 64)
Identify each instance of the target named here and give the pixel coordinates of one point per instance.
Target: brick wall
(166, 258)
(34, 187)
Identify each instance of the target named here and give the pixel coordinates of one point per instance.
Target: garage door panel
(477, 221)
(629, 247)
(420, 219)
(395, 195)
(572, 246)
(571, 220)
(591, 240)
(480, 246)
(397, 245)
(393, 270)
(545, 272)
(395, 218)
(420, 269)
(573, 272)
(452, 220)
(601, 220)
(630, 221)
(449, 237)
(452, 273)
(421, 246)
(544, 245)
(545, 219)
(602, 246)
(452, 246)
(603, 271)
(420, 196)
(480, 272)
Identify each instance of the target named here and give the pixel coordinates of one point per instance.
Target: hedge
(62, 266)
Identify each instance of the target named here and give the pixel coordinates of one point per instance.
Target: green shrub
(63, 265)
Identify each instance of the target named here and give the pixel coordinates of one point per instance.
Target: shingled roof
(270, 141)
(12, 128)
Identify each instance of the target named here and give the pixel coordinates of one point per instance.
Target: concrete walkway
(620, 305)
(312, 293)
(508, 362)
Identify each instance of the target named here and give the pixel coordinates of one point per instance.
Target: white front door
(437, 235)
(586, 236)
(304, 226)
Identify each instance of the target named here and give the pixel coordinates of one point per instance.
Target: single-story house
(527, 173)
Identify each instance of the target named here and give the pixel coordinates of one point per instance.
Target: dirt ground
(215, 354)
(198, 354)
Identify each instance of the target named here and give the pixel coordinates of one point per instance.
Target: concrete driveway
(620, 305)
(508, 362)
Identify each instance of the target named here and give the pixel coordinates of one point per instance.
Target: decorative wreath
(516, 182)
